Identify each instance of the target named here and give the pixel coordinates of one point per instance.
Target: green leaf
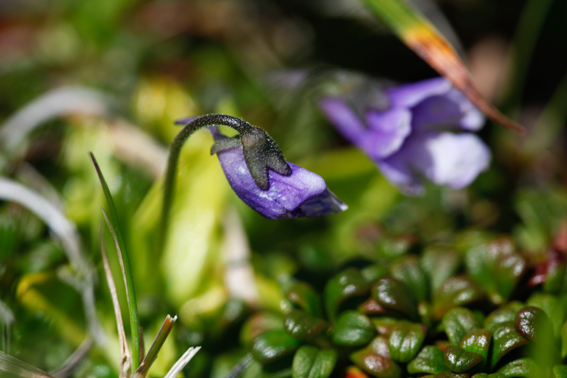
(302, 326)
(408, 271)
(384, 325)
(390, 247)
(496, 267)
(439, 265)
(556, 310)
(405, 341)
(311, 362)
(372, 308)
(375, 360)
(533, 323)
(477, 341)
(508, 272)
(395, 295)
(127, 270)
(523, 367)
(484, 375)
(505, 338)
(503, 314)
(258, 324)
(460, 360)
(564, 340)
(305, 297)
(555, 277)
(347, 284)
(560, 371)
(373, 272)
(458, 322)
(457, 291)
(450, 374)
(272, 345)
(353, 329)
(430, 360)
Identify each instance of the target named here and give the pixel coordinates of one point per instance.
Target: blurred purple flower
(302, 194)
(422, 134)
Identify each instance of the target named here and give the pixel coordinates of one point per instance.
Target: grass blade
(125, 356)
(12, 365)
(156, 346)
(180, 364)
(67, 234)
(71, 364)
(127, 270)
(58, 102)
(426, 41)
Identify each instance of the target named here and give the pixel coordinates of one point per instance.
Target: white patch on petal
(456, 160)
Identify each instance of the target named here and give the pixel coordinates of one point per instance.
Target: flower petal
(450, 110)
(303, 193)
(457, 159)
(443, 158)
(345, 120)
(409, 95)
(388, 130)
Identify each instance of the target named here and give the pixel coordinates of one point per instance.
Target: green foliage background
(158, 61)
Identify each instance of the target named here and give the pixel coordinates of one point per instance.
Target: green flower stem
(132, 302)
(175, 150)
(260, 153)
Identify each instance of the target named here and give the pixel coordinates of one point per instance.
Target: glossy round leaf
(272, 345)
(311, 362)
(405, 341)
(508, 271)
(496, 267)
(347, 284)
(458, 322)
(375, 360)
(533, 323)
(503, 314)
(302, 326)
(450, 374)
(477, 341)
(555, 277)
(410, 273)
(384, 325)
(258, 324)
(523, 367)
(353, 329)
(395, 295)
(430, 360)
(305, 297)
(555, 309)
(460, 360)
(560, 371)
(457, 291)
(505, 338)
(439, 265)
(373, 272)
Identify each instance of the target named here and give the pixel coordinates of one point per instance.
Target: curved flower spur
(257, 172)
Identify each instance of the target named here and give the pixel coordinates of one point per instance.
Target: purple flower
(302, 194)
(422, 134)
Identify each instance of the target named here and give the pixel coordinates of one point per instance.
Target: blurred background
(111, 76)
